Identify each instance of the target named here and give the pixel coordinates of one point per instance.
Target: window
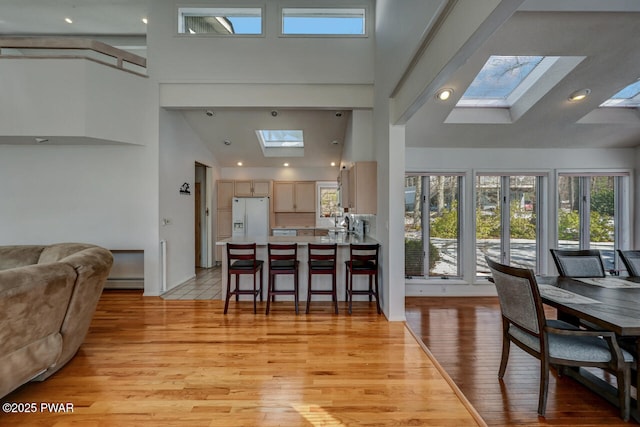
(432, 225)
(323, 21)
(220, 21)
(627, 97)
(327, 205)
(496, 83)
(507, 220)
(590, 213)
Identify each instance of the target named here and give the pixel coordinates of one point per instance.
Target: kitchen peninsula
(341, 238)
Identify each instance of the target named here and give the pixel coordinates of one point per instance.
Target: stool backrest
(241, 251)
(322, 251)
(282, 251)
(361, 252)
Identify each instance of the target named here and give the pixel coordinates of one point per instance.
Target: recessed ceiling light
(444, 94)
(227, 142)
(579, 95)
(286, 165)
(333, 163)
(239, 163)
(210, 113)
(145, 21)
(41, 140)
(68, 20)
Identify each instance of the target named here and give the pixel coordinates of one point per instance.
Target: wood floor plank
(464, 335)
(150, 361)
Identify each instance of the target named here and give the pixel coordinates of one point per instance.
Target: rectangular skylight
(220, 20)
(628, 97)
(323, 21)
(280, 138)
(499, 79)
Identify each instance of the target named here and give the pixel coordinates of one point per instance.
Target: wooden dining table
(610, 304)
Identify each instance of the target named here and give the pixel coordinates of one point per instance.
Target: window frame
(320, 220)
(426, 231)
(180, 21)
(366, 26)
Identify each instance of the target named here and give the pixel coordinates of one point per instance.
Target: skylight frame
(623, 100)
(239, 14)
(522, 85)
(319, 13)
(292, 145)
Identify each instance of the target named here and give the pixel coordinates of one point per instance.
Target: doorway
(202, 217)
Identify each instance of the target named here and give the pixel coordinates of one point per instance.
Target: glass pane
(602, 217)
(522, 221)
(413, 241)
(627, 97)
(497, 79)
(328, 202)
(225, 21)
(487, 222)
(569, 212)
(444, 241)
(323, 21)
(281, 138)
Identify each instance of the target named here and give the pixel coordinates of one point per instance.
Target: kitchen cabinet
(225, 194)
(363, 177)
(224, 201)
(299, 196)
(255, 188)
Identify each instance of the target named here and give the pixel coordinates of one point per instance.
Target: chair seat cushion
(245, 264)
(567, 347)
(283, 264)
(321, 265)
(361, 265)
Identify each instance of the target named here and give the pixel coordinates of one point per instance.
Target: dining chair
(283, 259)
(322, 260)
(578, 263)
(241, 259)
(631, 260)
(553, 342)
(363, 260)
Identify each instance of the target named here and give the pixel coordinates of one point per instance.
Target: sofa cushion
(19, 256)
(58, 251)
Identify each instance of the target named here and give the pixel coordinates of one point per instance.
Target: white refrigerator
(250, 217)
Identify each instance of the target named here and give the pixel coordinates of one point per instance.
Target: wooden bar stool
(283, 259)
(363, 260)
(241, 259)
(322, 260)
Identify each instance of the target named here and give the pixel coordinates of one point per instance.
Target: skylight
(281, 143)
(281, 138)
(501, 81)
(323, 21)
(628, 97)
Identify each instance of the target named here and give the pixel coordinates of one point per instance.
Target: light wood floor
(148, 361)
(464, 335)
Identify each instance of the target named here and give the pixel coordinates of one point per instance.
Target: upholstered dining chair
(631, 261)
(553, 342)
(578, 263)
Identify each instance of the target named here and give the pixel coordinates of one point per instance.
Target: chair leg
(544, 386)
(228, 296)
(295, 289)
(370, 288)
(261, 282)
(624, 383)
(505, 354)
(255, 296)
(377, 295)
(269, 295)
(334, 292)
(350, 291)
(308, 291)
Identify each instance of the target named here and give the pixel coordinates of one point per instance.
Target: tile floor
(206, 285)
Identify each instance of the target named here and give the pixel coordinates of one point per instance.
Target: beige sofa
(48, 295)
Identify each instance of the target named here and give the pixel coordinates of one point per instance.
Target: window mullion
(504, 220)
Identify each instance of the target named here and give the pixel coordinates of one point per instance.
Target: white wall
(263, 59)
(180, 149)
(281, 174)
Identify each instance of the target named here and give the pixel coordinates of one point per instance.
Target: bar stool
(322, 260)
(241, 259)
(283, 259)
(363, 260)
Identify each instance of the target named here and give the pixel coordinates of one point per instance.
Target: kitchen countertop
(342, 239)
